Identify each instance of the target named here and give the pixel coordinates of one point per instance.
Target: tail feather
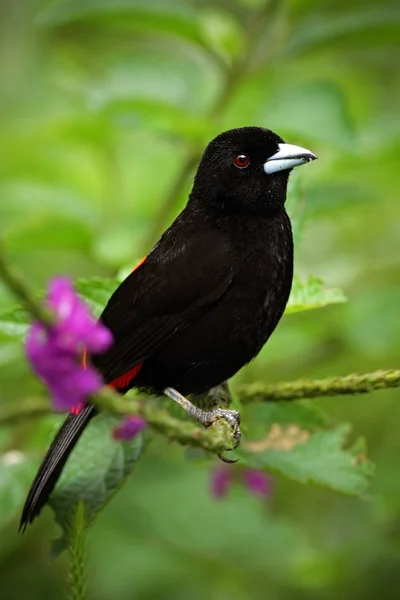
(53, 463)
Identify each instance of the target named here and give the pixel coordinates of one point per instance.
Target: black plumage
(209, 294)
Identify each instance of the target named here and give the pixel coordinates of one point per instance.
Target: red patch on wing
(124, 380)
(121, 382)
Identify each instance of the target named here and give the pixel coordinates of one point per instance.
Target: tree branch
(314, 388)
(215, 439)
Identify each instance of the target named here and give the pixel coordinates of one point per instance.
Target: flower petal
(129, 428)
(258, 482)
(55, 352)
(221, 479)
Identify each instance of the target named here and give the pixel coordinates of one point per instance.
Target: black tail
(53, 463)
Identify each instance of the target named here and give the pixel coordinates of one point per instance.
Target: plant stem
(314, 388)
(217, 437)
(77, 553)
(16, 284)
(214, 439)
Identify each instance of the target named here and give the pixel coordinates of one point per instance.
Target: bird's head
(247, 170)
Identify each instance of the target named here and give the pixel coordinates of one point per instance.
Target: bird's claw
(233, 419)
(207, 418)
(229, 461)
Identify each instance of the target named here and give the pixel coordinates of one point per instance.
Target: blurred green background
(105, 107)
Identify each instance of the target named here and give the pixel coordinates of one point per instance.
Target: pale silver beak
(287, 157)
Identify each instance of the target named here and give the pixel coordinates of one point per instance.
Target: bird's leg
(208, 417)
(220, 395)
(216, 397)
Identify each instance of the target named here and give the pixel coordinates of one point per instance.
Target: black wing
(182, 277)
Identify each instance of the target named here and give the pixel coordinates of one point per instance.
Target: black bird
(207, 297)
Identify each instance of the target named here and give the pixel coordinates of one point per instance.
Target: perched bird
(208, 295)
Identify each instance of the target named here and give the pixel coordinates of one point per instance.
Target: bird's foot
(208, 417)
(231, 416)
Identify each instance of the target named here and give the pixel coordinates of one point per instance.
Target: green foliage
(297, 443)
(312, 294)
(95, 471)
(102, 102)
(97, 291)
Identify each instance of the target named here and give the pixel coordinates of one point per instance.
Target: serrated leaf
(300, 447)
(312, 294)
(94, 472)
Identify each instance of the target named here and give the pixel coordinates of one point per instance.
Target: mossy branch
(216, 438)
(354, 383)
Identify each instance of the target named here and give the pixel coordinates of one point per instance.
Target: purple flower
(256, 481)
(56, 352)
(129, 428)
(221, 479)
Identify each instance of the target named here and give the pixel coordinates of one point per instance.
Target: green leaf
(312, 294)
(14, 323)
(174, 17)
(299, 446)
(95, 471)
(322, 28)
(96, 292)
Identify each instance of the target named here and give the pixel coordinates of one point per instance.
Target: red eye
(241, 161)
